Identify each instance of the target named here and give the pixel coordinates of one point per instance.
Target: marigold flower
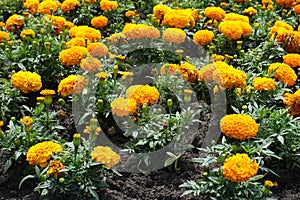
(32, 5)
(85, 32)
(72, 85)
(215, 13)
(126, 74)
(284, 73)
(108, 5)
(264, 83)
(69, 5)
(172, 68)
(47, 92)
(250, 11)
(203, 37)
(293, 102)
(297, 9)
(78, 41)
(73, 55)
(117, 38)
(139, 31)
(292, 59)
(285, 3)
(178, 19)
(102, 75)
(270, 184)
(131, 89)
(99, 22)
(236, 17)
(58, 22)
(26, 81)
(88, 130)
(239, 126)
(54, 167)
(232, 30)
(105, 155)
(189, 72)
(2, 24)
(123, 106)
(160, 10)
(89, 1)
(27, 121)
(28, 32)
(47, 7)
(206, 73)
(216, 57)
(98, 49)
(145, 95)
(175, 35)
(130, 13)
(292, 40)
(90, 63)
(4, 35)
(239, 168)
(40, 153)
(267, 4)
(14, 22)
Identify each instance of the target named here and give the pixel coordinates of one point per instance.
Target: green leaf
(280, 139)
(25, 179)
(94, 193)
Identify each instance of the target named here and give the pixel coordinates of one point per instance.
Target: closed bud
(76, 140)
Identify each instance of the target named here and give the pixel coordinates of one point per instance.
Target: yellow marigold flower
(175, 35)
(27, 121)
(172, 68)
(2, 24)
(250, 11)
(88, 130)
(72, 85)
(189, 72)
(40, 153)
(203, 37)
(14, 22)
(239, 126)
(99, 22)
(160, 10)
(145, 95)
(139, 31)
(1, 123)
(85, 32)
(4, 35)
(90, 63)
(78, 41)
(26, 81)
(284, 73)
(40, 99)
(263, 83)
(69, 5)
(232, 30)
(216, 57)
(58, 22)
(28, 32)
(292, 59)
(236, 17)
(117, 38)
(102, 75)
(54, 167)
(105, 155)
(108, 5)
(123, 106)
(285, 3)
(280, 24)
(131, 89)
(206, 73)
(130, 13)
(32, 5)
(293, 102)
(89, 1)
(126, 74)
(73, 55)
(239, 168)
(98, 49)
(270, 184)
(297, 9)
(47, 7)
(69, 24)
(215, 13)
(228, 77)
(178, 19)
(47, 92)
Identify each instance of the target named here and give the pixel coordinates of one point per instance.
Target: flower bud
(170, 103)
(76, 140)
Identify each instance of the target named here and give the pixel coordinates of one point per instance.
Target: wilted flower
(54, 167)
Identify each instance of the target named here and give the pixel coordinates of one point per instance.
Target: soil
(159, 185)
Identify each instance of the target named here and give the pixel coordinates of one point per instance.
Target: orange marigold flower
(69, 5)
(139, 31)
(47, 7)
(47, 92)
(189, 72)
(239, 168)
(28, 32)
(130, 13)
(88, 130)
(131, 89)
(178, 19)
(232, 30)
(206, 73)
(58, 22)
(284, 73)
(292, 59)
(90, 63)
(239, 126)
(264, 83)
(172, 69)
(40, 153)
(98, 49)
(285, 3)
(216, 57)
(27, 121)
(2, 24)
(26, 81)
(78, 41)
(72, 85)
(85, 32)
(73, 55)
(292, 40)
(108, 5)
(102, 75)
(99, 22)
(160, 10)
(250, 11)
(297, 9)
(32, 5)
(4, 35)
(54, 167)
(117, 38)
(215, 13)
(123, 106)
(105, 155)
(14, 22)
(203, 37)
(145, 95)
(89, 1)
(293, 102)
(175, 35)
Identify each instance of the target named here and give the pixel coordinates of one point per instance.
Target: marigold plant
(174, 35)
(69, 5)
(108, 5)
(172, 69)
(4, 35)
(27, 32)
(139, 31)
(146, 95)
(189, 72)
(54, 167)
(90, 63)
(292, 59)
(106, 156)
(73, 55)
(203, 37)
(178, 19)
(99, 22)
(284, 73)
(32, 5)
(215, 13)
(98, 49)
(73, 84)
(264, 83)
(123, 106)
(47, 7)
(85, 32)
(160, 10)
(26, 81)
(78, 41)
(14, 22)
